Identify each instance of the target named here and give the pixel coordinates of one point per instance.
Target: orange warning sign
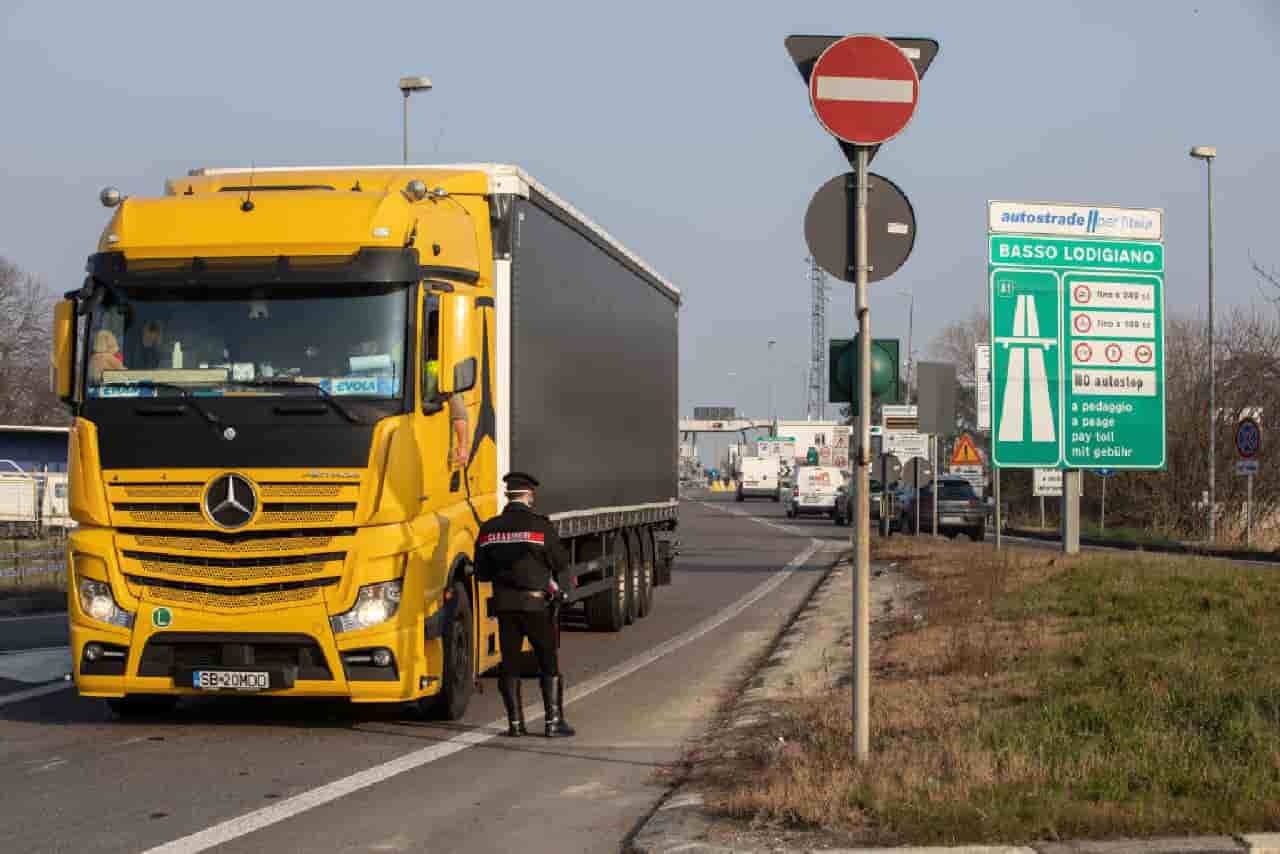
(965, 453)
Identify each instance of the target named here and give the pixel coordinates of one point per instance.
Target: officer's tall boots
(509, 688)
(553, 706)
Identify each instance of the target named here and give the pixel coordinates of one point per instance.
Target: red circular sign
(1083, 293)
(1082, 323)
(1083, 352)
(1114, 353)
(1143, 353)
(864, 90)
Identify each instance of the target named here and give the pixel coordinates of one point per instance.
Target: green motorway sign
(1077, 352)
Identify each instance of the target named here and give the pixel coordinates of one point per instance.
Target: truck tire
(459, 678)
(644, 591)
(634, 561)
(739, 498)
(605, 609)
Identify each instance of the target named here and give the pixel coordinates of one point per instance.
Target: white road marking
(258, 819)
(32, 693)
(866, 89)
(47, 615)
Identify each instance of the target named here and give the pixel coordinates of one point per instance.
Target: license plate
(230, 680)
(953, 520)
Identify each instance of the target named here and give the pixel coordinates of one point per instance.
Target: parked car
(814, 493)
(959, 510)
(844, 503)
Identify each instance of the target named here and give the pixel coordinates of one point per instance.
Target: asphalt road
(252, 774)
(33, 631)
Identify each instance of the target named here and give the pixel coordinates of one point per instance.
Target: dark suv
(959, 510)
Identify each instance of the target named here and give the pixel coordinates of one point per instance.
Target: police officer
(519, 551)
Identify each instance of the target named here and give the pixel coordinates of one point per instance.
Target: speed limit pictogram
(1248, 439)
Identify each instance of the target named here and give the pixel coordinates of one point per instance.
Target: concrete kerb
(679, 824)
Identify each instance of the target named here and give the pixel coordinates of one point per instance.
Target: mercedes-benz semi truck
(296, 391)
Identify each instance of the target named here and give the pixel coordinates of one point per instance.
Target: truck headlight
(97, 602)
(375, 603)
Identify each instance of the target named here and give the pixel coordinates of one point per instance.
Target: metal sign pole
(934, 512)
(1248, 512)
(1071, 511)
(1042, 521)
(996, 477)
(1102, 517)
(862, 534)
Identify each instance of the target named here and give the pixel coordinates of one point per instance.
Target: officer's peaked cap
(518, 481)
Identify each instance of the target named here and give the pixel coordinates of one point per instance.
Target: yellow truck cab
(295, 391)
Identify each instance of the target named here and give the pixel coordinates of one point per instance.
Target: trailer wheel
(641, 572)
(649, 574)
(605, 609)
(634, 562)
(459, 677)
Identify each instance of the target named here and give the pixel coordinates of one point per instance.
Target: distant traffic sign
(891, 227)
(864, 89)
(1046, 482)
(1105, 473)
(1248, 439)
(965, 452)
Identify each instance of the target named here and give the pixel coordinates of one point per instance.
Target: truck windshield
(159, 341)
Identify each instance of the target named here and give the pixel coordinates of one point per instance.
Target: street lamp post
(1207, 153)
(773, 416)
(911, 316)
(409, 85)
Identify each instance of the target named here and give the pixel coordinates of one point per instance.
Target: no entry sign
(864, 89)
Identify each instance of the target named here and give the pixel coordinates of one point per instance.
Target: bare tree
(26, 311)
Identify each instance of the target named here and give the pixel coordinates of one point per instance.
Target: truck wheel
(459, 677)
(605, 609)
(632, 607)
(644, 597)
(142, 705)
(738, 498)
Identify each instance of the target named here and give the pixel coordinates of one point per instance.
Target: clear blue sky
(682, 127)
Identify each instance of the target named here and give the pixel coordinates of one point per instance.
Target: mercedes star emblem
(229, 433)
(230, 501)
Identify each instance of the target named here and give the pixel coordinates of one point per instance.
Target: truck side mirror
(62, 355)
(464, 374)
(457, 343)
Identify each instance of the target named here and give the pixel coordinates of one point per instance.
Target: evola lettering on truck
(295, 391)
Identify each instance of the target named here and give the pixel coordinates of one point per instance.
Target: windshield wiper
(186, 395)
(284, 382)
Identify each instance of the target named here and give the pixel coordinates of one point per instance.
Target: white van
(815, 491)
(759, 479)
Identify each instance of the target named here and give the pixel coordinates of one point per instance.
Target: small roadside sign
(1047, 482)
(1248, 439)
(965, 452)
(1247, 468)
(904, 446)
(976, 475)
(982, 382)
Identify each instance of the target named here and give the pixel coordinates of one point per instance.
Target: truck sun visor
(373, 265)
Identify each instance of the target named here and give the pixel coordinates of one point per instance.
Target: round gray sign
(891, 227)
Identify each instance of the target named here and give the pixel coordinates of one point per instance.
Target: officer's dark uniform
(520, 552)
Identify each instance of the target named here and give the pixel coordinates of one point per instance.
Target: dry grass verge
(1031, 696)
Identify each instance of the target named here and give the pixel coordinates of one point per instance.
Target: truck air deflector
(371, 265)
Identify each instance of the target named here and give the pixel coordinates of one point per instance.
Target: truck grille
(207, 596)
(272, 514)
(166, 652)
(236, 569)
(245, 544)
(194, 491)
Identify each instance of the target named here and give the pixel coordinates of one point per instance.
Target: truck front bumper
(296, 647)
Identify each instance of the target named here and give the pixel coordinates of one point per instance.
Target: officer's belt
(532, 594)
